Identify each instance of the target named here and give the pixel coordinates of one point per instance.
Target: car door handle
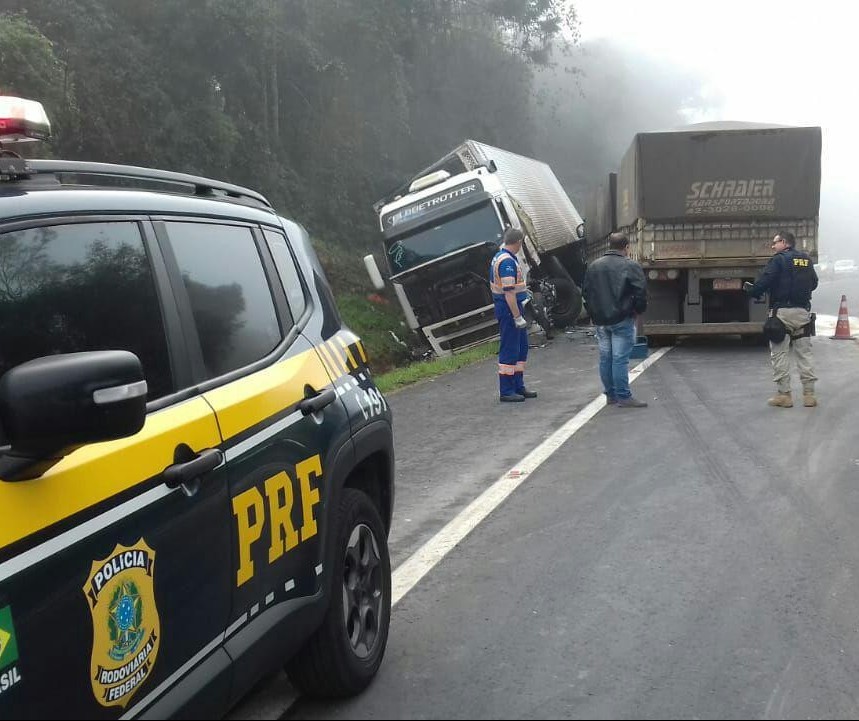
(184, 474)
(316, 403)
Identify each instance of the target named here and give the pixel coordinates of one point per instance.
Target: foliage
(381, 329)
(323, 105)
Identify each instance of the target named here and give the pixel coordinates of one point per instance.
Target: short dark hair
(788, 238)
(618, 241)
(512, 235)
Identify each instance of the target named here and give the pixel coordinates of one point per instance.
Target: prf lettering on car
(252, 512)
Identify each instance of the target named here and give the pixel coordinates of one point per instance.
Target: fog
(765, 61)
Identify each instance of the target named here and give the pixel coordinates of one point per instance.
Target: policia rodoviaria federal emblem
(125, 627)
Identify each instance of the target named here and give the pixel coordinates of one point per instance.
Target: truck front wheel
(568, 302)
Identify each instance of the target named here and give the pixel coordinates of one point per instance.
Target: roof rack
(203, 187)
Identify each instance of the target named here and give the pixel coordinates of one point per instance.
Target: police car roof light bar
(22, 121)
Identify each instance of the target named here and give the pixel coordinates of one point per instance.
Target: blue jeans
(616, 342)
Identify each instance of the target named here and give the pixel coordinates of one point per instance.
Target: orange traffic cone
(842, 328)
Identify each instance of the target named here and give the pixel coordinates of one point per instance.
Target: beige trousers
(794, 319)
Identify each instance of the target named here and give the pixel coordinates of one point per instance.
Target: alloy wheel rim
(362, 590)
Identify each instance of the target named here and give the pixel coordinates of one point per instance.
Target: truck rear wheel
(342, 657)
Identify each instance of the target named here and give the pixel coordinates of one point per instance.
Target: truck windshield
(476, 225)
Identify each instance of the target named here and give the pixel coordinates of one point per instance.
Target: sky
(782, 62)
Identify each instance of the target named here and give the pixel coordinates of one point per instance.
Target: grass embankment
(424, 370)
(378, 320)
(389, 360)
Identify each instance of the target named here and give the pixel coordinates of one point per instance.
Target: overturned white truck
(442, 227)
(701, 205)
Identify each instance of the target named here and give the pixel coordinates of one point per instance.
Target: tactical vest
(795, 280)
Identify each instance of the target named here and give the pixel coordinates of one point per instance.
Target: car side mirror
(50, 406)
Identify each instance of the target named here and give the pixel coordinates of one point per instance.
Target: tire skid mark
(815, 554)
(782, 480)
(698, 446)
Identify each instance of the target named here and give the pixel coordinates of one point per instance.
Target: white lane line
(407, 575)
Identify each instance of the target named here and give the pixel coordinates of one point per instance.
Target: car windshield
(477, 225)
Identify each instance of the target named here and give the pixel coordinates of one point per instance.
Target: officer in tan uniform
(789, 278)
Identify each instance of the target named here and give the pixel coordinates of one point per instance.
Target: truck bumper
(654, 329)
(463, 331)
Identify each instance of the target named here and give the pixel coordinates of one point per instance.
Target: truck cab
(438, 242)
(441, 230)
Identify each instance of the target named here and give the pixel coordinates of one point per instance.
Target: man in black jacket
(615, 292)
(789, 278)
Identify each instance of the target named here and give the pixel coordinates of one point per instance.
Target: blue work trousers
(512, 351)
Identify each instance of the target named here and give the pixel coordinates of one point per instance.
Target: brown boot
(808, 399)
(781, 400)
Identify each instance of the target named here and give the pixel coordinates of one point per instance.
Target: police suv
(196, 467)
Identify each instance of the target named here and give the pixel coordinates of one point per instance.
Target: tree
(31, 69)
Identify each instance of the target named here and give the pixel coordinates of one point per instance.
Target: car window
(229, 293)
(81, 287)
(288, 272)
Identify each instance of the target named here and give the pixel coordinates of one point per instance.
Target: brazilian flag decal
(8, 642)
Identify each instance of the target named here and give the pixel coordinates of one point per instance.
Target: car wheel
(344, 654)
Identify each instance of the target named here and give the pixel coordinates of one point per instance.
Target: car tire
(344, 654)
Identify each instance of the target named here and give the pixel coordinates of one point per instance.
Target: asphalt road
(451, 445)
(697, 558)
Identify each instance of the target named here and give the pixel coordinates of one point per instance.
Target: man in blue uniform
(789, 278)
(509, 293)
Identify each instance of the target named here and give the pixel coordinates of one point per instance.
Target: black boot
(515, 398)
(525, 393)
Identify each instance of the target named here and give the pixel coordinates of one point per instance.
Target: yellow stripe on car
(329, 358)
(349, 356)
(244, 403)
(97, 472)
(339, 355)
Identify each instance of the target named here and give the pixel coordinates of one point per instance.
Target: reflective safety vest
(499, 284)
